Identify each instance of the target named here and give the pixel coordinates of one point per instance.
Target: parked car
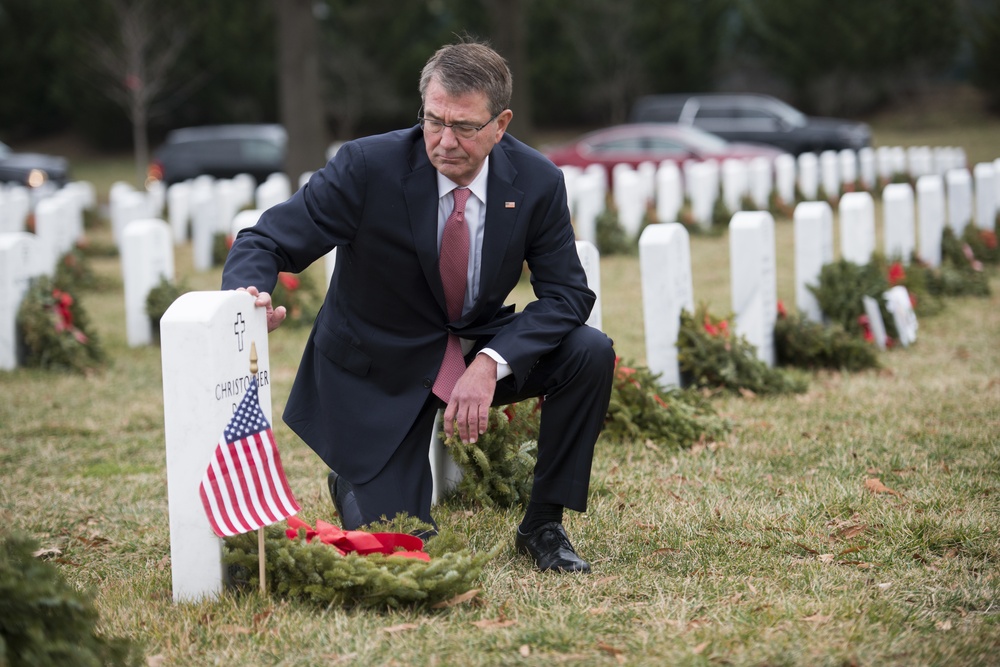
(222, 151)
(35, 170)
(635, 143)
(755, 118)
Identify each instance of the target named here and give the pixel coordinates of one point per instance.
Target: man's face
(457, 158)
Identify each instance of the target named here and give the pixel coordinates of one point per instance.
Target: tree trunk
(507, 20)
(299, 87)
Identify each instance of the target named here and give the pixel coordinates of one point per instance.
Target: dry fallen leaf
(875, 485)
(402, 627)
(457, 600)
(525, 650)
(157, 660)
(825, 558)
(943, 625)
(491, 623)
(849, 532)
(609, 649)
(236, 630)
(700, 648)
(818, 618)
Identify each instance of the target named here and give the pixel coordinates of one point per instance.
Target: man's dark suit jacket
(378, 341)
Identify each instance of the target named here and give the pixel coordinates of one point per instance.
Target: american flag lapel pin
(508, 204)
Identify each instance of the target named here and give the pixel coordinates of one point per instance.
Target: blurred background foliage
(576, 62)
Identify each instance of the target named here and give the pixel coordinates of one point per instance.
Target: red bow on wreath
(358, 541)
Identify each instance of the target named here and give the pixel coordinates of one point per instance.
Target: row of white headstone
(666, 186)
(24, 255)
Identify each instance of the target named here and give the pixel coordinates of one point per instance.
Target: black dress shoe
(344, 501)
(550, 548)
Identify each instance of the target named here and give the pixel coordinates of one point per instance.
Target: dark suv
(222, 151)
(32, 169)
(753, 118)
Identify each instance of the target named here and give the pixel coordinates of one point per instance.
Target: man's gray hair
(470, 67)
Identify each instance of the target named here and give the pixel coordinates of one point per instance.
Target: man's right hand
(275, 316)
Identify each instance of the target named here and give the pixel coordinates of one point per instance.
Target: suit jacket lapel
(420, 192)
(503, 206)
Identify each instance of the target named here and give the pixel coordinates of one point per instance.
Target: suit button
(427, 383)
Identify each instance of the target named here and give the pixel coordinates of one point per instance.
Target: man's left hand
(471, 399)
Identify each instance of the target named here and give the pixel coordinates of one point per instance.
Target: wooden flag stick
(260, 531)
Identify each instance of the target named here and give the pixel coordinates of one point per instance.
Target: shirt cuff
(503, 368)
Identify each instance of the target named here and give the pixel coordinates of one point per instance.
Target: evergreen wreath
(802, 343)
(711, 357)
(498, 469)
(298, 293)
(611, 238)
(317, 573)
(160, 298)
(840, 289)
(56, 331)
(47, 622)
(74, 269)
(642, 410)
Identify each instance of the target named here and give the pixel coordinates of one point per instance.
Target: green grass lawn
(769, 548)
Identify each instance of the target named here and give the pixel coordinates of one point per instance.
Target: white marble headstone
(627, 192)
(829, 174)
(667, 290)
(897, 302)
(591, 260)
(784, 178)
(813, 250)
(900, 221)
(179, 210)
(273, 191)
(808, 176)
(754, 280)
(734, 184)
(205, 341)
(147, 257)
(857, 227)
(591, 190)
(930, 218)
(986, 195)
(23, 257)
(703, 189)
(875, 323)
(669, 192)
(959, 186)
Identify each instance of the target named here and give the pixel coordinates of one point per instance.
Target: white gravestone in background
(866, 168)
(52, 228)
(16, 206)
(897, 301)
(205, 341)
(930, 217)
(848, 160)
(754, 280)
(627, 191)
(986, 195)
(23, 257)
(813, 249)
(667, 289)
(857, 227)
(125, 205)
(591, 190)
(959, 187)
(204, 217)
(179, 210)
(875, 323)
(900, 221)
(702, 181)
(591, 260)
(808, 176)
(669, 192)
(570, 174)
(760, 181)
(829, 174)
(273, 191)
(647, 181)
(784, 178)
(734, 184)
(883, 163)
(147, 258)
(243, 220)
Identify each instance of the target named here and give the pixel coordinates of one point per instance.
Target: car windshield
(5, 150)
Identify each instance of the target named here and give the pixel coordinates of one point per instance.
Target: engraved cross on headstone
(239, 326)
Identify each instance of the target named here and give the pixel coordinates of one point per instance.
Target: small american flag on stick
(244, 487)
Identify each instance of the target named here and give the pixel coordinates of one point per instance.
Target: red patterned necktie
(454, 265)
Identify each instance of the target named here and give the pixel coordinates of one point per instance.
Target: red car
(635, 143)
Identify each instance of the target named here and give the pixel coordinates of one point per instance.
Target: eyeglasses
(460, 130)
